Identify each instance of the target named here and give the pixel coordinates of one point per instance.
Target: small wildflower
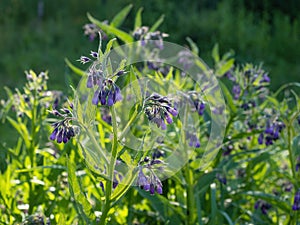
(63, 130)
(227, 149)
(94, 54)
(296, 205)
(221, 178)
(142, 34)
(236, 89)
(263, 206)
(194, 141)
(149, 181)
(271, 132)
(91, 30)
(265, 79)
(186, 59)
(159, 109)
(229, 75)
(84, 59)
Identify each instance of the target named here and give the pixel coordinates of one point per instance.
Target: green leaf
(84, 206)
(227, 217)
(228, 97)
(109, 46)
(213, 200)
(135, 85)
(74, 68)
(204, 181)
(157, 23)
(111, 30)
(193, 46)
(120, 17)
(166, 210)
(272, 199)
(126, 158)
(170, 74)
(215, 53)
(138, 19)
(225, 67)
(22, 130)
(296, 145)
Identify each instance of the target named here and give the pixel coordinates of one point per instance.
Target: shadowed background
(39, 34)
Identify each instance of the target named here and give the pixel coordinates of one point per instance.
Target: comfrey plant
(130, 153)
(139, 141)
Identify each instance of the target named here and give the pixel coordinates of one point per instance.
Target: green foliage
(73, 183)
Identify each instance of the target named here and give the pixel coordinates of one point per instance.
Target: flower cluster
(36, 219)
(263, 206)
(186, 59)
(296, 205)
(271, 132)
(193, 140)
(144, 35)
(249, 86)
(63, 129)
(197, 102)
(221, 178)
(227, 149)
(147, 179)
(107, 92)
(159, 109)
(91, 30)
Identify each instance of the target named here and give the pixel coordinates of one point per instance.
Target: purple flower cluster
(193, 140)
(147, 179)
(159, 109)
(63, 130)
(186, 59)
(236, 90)
(296, 205)
(91, 30)
(271, 132)
(227, 149)
(144, 35)
(263, 206)
(221, 178)
(107, 92)
(248, 105)
(197, 102)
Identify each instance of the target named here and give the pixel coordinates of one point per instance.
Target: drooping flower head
(91, 30)
(106, 92)
(271, 132)
(144, 35)
(296, 205)
(63, 129)
(147, 178)
(159, 110)
(263, 206)
(196, 101)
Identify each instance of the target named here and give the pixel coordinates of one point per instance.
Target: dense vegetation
(146, 132)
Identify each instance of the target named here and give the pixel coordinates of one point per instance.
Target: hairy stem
(111, 168)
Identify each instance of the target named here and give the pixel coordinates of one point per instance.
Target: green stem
(95, 143)
(131, 121)
(291, 151)
(111, 168)
(32, 153)
(190, 195)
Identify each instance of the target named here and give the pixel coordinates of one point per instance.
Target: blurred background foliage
(39, 34)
